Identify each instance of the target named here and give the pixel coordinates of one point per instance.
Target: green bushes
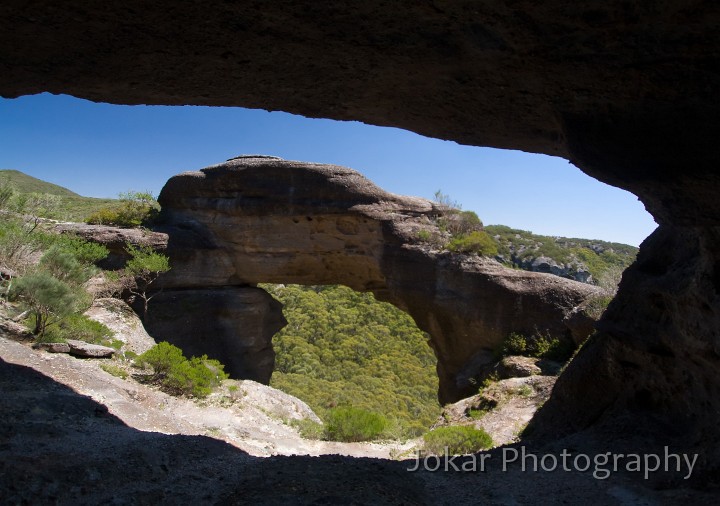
(80, 327)
(538, 346)
(179, 376)
(464, 228)
(135, 209)
(309, 429)
(353, 424)
(115, 370)
(459, 440)
(474, 242)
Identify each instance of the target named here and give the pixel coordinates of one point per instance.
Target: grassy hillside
(62, 204)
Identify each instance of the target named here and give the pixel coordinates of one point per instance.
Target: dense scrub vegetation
(603, 260)
(456, 440)
(45, 273)
(179, 376)
(536, 345)
(342, 348)
(132, 210)
(350, 424)
(459, 231)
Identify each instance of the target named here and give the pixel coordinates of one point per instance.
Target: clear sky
(100, 150)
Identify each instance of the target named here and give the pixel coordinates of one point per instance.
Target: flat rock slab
(53, 347)
(83, 349)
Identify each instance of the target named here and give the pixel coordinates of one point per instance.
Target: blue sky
(99, 150)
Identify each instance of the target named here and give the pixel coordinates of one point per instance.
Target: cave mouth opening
(536, 188)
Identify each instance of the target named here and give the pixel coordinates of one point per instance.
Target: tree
(53, 290)
(143, 268)
(50, 299)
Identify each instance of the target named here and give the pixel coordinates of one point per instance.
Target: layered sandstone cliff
(266, 220)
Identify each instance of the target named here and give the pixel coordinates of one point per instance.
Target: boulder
(53, 347)
(275, 402)
(83, 349)
(518, 367)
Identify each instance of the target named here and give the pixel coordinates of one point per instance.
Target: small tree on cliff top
(144, 266)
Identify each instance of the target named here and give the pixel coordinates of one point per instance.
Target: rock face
(657, 350)
(120, 318)
(622, 89)
(234, 324)
(260, 219)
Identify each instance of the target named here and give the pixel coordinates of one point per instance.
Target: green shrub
(50, 299)
(474, 242)
(308, 429)
(515, 344)
(424, 235)
(80, 327)
(104, 216)
(84, 252)
(526, 391)
(477, 414)
(459, 440)
(135, 209)
(116, 371)
(353, 424)
(538, 346)
(596, 305)
(179, 376)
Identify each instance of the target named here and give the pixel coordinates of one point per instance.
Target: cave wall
(624, 89)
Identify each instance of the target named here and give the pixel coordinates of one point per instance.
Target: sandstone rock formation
(625, 90)
(121, 319)
(262, 219)
(83, 349)
(233, 324)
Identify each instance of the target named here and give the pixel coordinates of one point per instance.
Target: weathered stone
(275, 402)
(14, 330)
(83, 349)
(53, 347)
(121, 319)
(518, 367)
(232, 324)
(258, 219)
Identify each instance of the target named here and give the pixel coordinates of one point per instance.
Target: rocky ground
(73, 434)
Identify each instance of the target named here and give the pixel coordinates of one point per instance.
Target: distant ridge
(28, 184)
(70, 205)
